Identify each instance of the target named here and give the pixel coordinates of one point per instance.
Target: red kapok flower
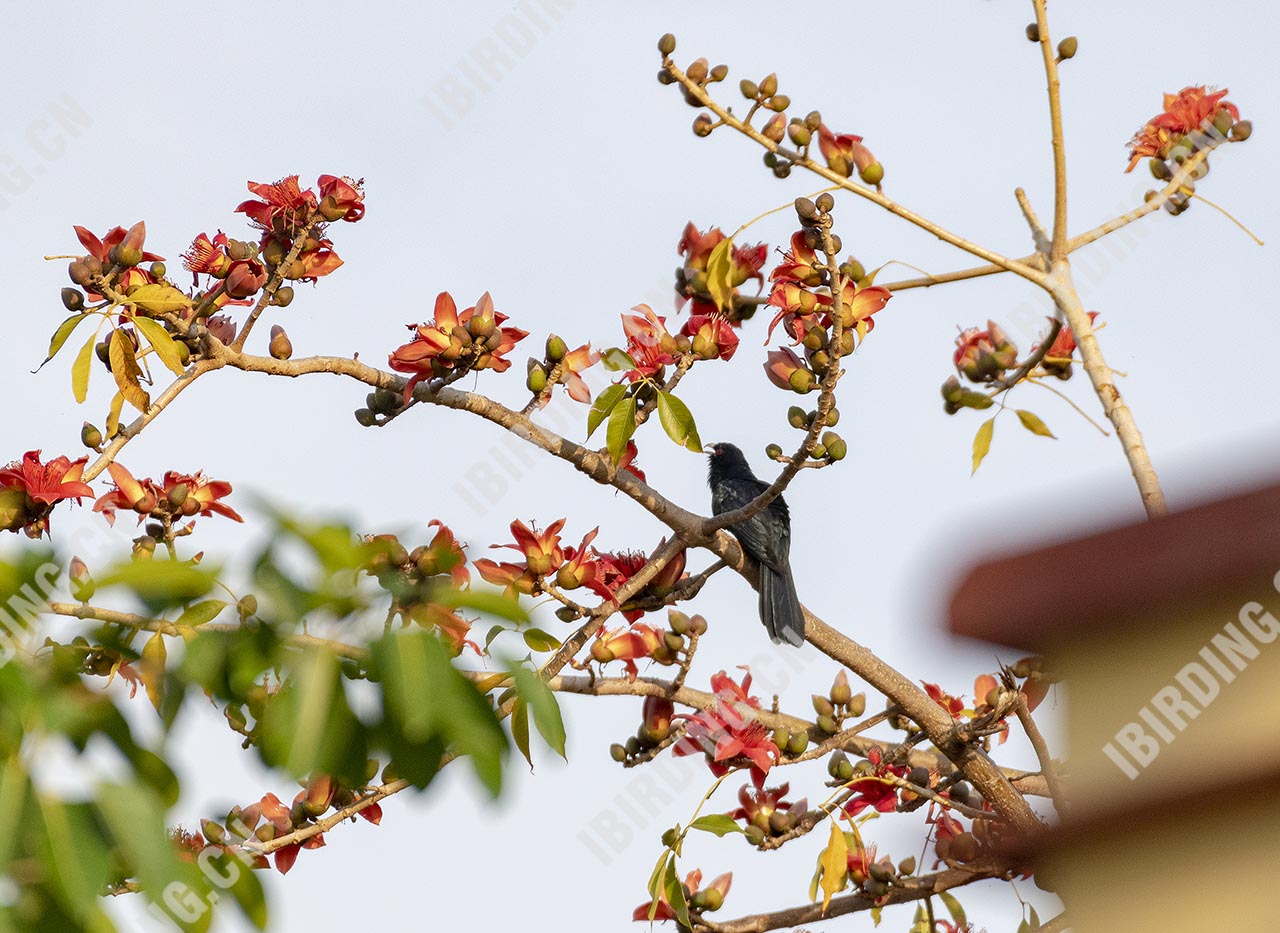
(983, 355)
(471, 340)
(627, 645)
(1191, 109)
(341, 198)
(202, 492)
(30, 489)
(648, 341)
(788, 371)
(713, 337)
(952, 704)
(139, 495)
(542, 552)
(576, 362)
(845, 154)
(131, 239)
(283, 199)
(208, 256)
(628, 462)
(729, 731)
(580, 564)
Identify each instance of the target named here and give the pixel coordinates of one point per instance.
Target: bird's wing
(767, 536)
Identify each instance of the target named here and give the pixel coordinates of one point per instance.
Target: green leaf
(75, 853)
(520, 729)
(80, 370)
(1032, 423)
(655, 881)
(982, 441)
(677, 421)
(159, 298)
(719, 823)
(492, 602)
(161, 584)
(953, 907)
(201, 612)
(14, 785)
(675, 894)
(538, 640)
(616, 359)
(542, 703)
(124, 366)
(622, 424)
(164, 345)
(603, 404)
(428, 702)
(64, 331)
(136, 819)
(719, 270)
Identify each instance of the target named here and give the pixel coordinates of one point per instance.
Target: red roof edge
(1032, 599)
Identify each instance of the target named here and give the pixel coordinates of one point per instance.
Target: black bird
(766, 539)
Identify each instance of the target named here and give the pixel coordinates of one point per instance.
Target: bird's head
(724, 456)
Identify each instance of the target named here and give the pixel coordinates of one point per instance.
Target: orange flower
(1191, 109)
(713, 336)
(845, 153)
(30, 489)
(728, 731)
(341, 198)
(472, 340)
(283, 200)
(627, 645)
(648, 342)
(541, 550)
(201, 491)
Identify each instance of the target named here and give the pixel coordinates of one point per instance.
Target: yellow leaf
(159, 298)
(113, 415)
(124, 366)
(982, 441)
(151, 668)
(1032, 423)
(162, 343)
(719, 268)
(80, 370)
(834, 861)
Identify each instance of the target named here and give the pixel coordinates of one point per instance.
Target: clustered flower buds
(984, 355)
(804, 295)
(766, 814)
(416, 579)
(566, 366)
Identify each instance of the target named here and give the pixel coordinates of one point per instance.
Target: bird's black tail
(780, 606)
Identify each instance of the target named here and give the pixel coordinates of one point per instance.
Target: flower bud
(90, 436)
(1033, 32)
(769, 86)
(828, 725)
(749, 89)
(283, 296)
(776, 128)
(178, 495)
(618, 752)
(907, 866)
(719, 73)
(556, 348)
(836, 445)
(698, 70)
(798, 743)
(873, 174)
(702, 125)
(537, 380)
(800, 134)
(1241, 130)
(858, 704)
(73, 299)
(841, 692)
(667, 44)
(80, 271)
(82, 585)
(802, 381)
(281, 347)
(773, 451)
(707, 899)
(797, 418)
(1067, 47)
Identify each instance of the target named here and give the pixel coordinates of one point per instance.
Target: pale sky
(527, 150)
